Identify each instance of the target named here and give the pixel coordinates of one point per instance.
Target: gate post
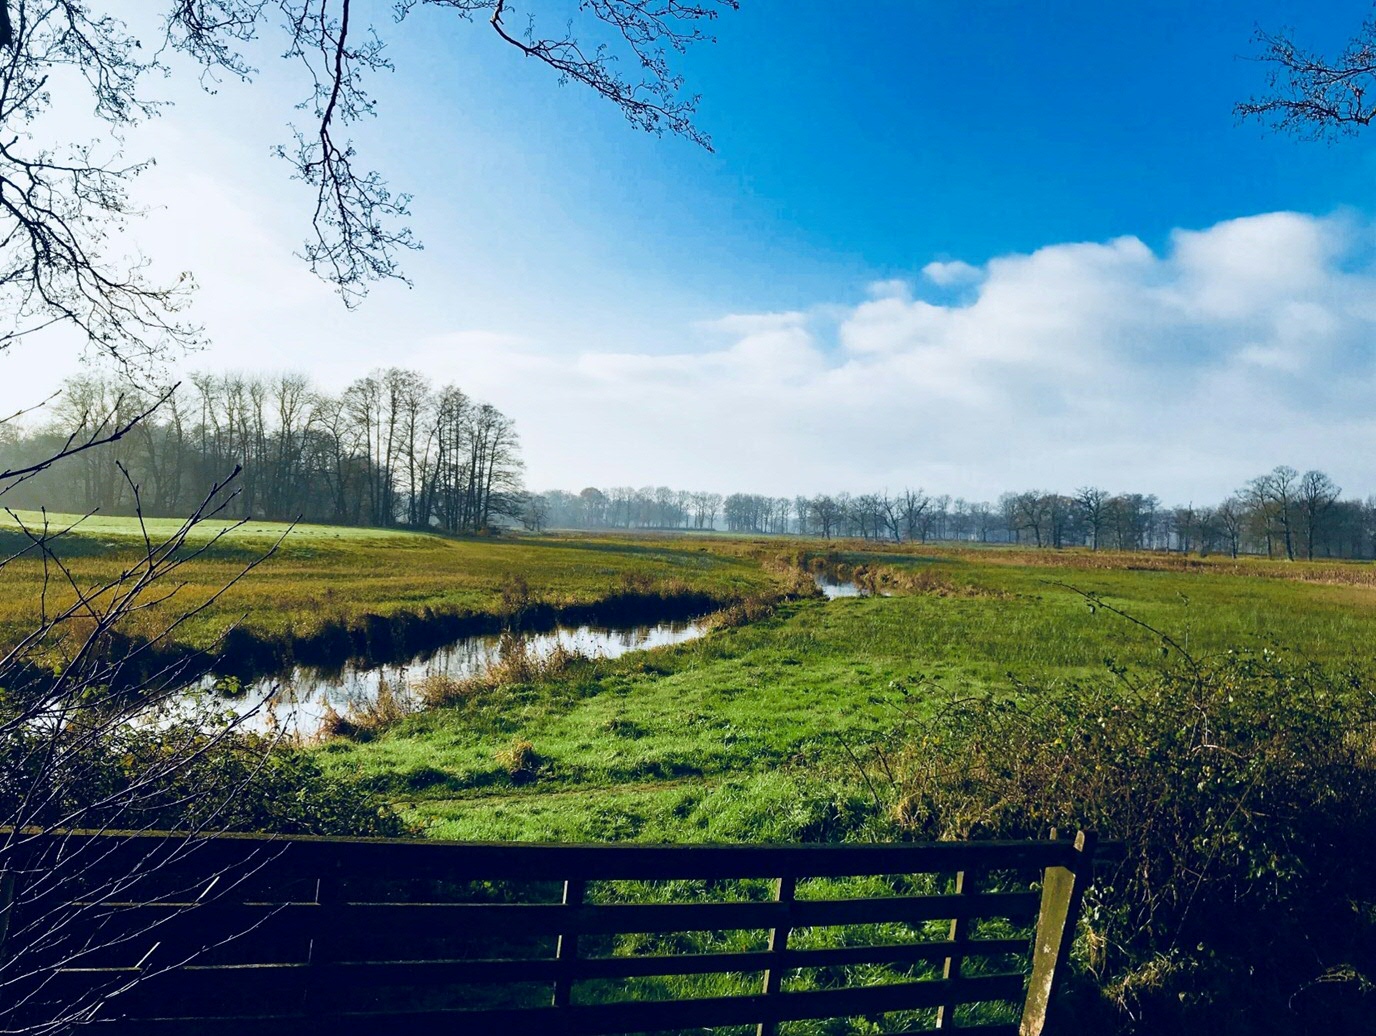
(1062, 889)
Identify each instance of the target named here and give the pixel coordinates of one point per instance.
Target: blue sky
(971, 247)
(864, 147)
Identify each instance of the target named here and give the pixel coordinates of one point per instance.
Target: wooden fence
(170, 934)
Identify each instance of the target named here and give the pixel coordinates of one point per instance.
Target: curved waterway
(298, 700)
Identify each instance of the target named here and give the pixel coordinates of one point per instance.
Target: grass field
(796, 718)
(753, 732)
(761, 732)
(323, 574)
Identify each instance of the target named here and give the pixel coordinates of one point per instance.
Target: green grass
(753, 733)
(250, 532)
(326, 575)
(766, 732)
(762, 732)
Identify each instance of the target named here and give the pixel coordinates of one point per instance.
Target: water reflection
(299, 700)
(833, 588)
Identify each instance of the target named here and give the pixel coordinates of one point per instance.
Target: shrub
(1244, 793)
(368, 715)
(439, 689)
(221, 782)
(516, 595)
(742, 613)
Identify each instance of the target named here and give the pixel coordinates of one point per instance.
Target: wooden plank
(566, 950)
(966, 884)
(318, 991)
(784, 891)
(267, 984)
(911, 953)
(383, 932)
(831, 1003)
(270, 989)
(103, 935)
(880, 909)
(904, 954)
(601, 1019)
(139, 860)
(410, 921)
(273, 980)
(403, 922)
(1062, 889)
(307, 856)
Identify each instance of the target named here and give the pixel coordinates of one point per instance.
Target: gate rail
(206, 934)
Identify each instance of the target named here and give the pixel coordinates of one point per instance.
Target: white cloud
(1242, 346)
(949, 274)
(1239, 346)
(896, 288)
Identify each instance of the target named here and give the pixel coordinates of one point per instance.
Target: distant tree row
(1282, 513)
(391, 449)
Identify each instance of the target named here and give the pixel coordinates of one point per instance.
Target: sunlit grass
(324, 574)
(764, 728)
(754, 729)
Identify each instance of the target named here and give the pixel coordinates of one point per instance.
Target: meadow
(305, 578)
(1220, 705)
(759, 730)
(764, 728)
(1214, 716)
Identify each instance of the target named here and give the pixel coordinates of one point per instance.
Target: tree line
(1281, 513)
(391, 449)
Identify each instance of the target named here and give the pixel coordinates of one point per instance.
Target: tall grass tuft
(742, 613)
(365, 717)
(520, 760)
(515, 663)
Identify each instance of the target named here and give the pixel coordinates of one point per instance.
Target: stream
(832, 588)
(298, 700)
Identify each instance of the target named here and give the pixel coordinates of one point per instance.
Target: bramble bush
(1243, 790)
(178, 776)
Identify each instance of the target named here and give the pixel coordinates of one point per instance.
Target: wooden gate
(171, 934)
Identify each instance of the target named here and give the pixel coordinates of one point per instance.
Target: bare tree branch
(1314, 96)
(110, 428)
(61, 207)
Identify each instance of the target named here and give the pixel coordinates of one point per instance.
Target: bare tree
(912, 505)
(864, 514)
(1316, 495)
(1060, 516)
(1185, 526)
(825, 512)
(1092, 503)
(60, 201)
(1029, 511)
(983, 517)
(536, 513)
(890, 513)
(1273, 494)
(1314, 95)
